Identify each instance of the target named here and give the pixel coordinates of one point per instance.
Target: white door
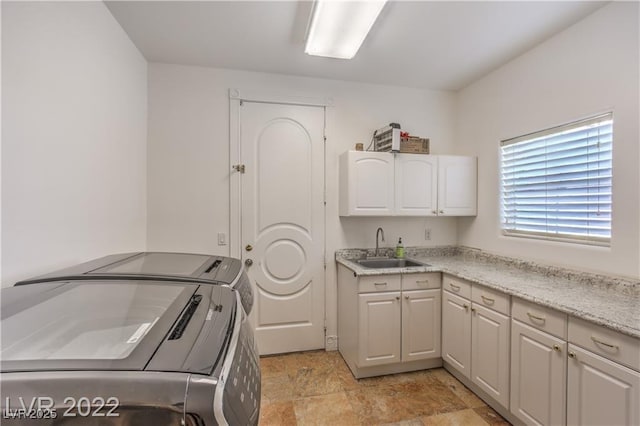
(456, 332)
(538, 376)
(282, 223)
(420, 325)
(378, 328)
(490, 353)
(416, 185)
(601, 392)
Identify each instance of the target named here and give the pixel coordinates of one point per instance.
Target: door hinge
(239, 168)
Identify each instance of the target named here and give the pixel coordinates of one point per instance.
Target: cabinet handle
(557, 348)
(488, 300)
(536, 318)
(422, 281)
(608, 345)
(572, 355)
(379, 283)
(454, 287)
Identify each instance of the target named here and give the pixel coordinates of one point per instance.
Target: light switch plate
(222, 239)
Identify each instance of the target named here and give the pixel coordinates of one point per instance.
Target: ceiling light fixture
(338, 27)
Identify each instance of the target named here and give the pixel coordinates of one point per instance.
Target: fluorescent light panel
(338, 27)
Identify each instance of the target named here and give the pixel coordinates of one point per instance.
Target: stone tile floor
(317, 388)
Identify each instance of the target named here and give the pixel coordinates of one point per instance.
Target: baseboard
(400, 367)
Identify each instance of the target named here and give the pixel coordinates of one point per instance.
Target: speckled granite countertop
(608, 301)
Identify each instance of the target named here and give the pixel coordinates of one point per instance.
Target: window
(556, 184)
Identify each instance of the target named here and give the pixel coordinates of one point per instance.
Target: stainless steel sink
(388, 263)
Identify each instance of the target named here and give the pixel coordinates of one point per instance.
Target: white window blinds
(556, 184)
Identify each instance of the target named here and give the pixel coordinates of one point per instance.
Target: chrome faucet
(378, 232)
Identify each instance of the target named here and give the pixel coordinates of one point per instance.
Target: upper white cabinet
(387, 184)
(457, 185)
(367, 184)
(416, 185)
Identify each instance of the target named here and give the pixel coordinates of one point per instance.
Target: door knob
(248, 262)
(249, 247)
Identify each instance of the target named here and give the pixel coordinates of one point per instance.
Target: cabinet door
(416, 188)
(490, 352)
(420, 324)
(538, 376)
(600, 391)
(378, 328)
(367, 183)
(457, 185)
(456, 332)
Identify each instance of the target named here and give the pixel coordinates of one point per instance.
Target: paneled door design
(282, 223)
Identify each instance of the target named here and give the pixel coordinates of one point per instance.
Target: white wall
(189, 155)
(73, 137)
(589, 68)
(189, 151)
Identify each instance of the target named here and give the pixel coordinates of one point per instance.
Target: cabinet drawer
(490, 298)
(457, 286)
(605, 342)
(540, 317)
(371, 283)
(421, 281)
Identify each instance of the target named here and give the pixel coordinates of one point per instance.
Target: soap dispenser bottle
(400, 249)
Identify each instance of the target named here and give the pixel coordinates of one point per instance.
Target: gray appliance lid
(176, 264)
(77, 325)
(183, 267)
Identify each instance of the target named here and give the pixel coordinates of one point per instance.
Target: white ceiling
(423, 44)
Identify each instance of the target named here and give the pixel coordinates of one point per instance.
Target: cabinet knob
(557, 348)
(473, 309)
(572, 355)
(434, 212)
(441, 211)
(406, 297)
(397, 297)
(466, 307)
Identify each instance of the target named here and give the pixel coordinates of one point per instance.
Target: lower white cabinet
(537, 365)
(420, 315)
(490, 352)
(379, 328)
(456, 332)
(538, 376)
(380, 324)
(600, 391)
(475, 340)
